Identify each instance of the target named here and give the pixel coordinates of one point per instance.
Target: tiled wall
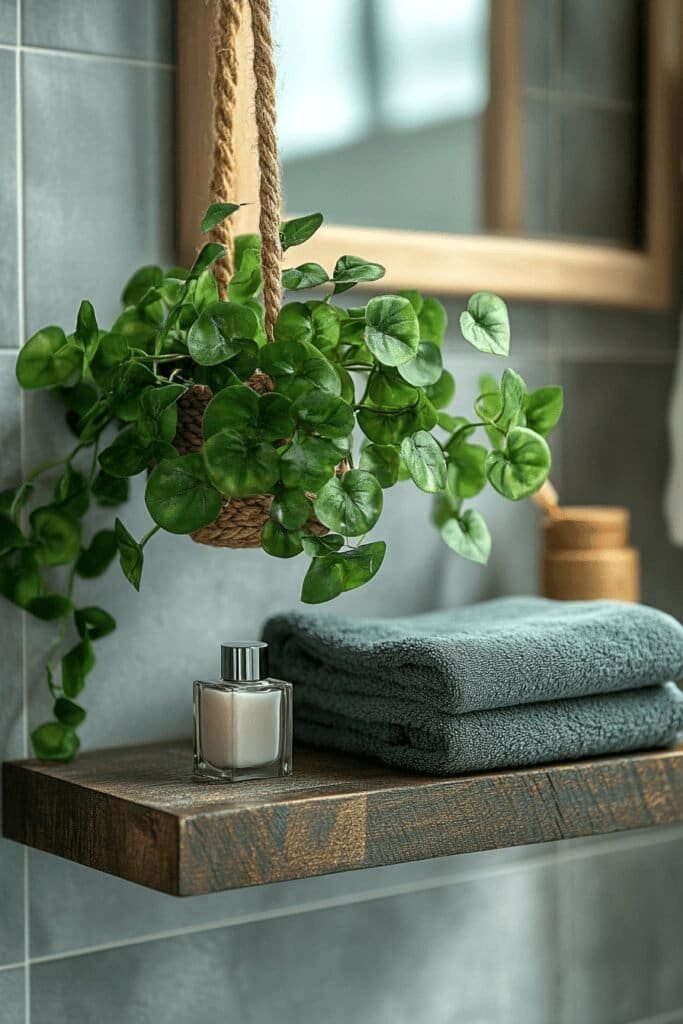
(580, 933)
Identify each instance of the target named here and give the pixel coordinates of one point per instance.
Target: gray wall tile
(11, 720)
(109, 129)
(616, 453)
(598, 167)
(623, 921)
(540, 150)
(539, 41)
(450, 955)
(8, 21)
(601, 48)
(12, 996)
(9, 281)
(143, 29)
(591, 334)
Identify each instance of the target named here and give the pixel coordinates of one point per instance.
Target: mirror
(505, 145)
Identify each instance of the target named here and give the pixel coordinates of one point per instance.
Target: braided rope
(227, 19)
(269, 188)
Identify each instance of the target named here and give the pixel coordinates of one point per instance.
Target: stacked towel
(515, 681)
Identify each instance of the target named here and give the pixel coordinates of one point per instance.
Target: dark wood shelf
(136, 812)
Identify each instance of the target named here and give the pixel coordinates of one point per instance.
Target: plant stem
(149, 535)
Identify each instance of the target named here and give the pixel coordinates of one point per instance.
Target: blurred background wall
(576, 933)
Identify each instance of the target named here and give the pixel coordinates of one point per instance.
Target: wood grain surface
(138, 813)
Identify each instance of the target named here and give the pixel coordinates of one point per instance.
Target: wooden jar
(587, 556)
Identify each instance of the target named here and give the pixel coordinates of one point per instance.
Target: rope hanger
(228, 18)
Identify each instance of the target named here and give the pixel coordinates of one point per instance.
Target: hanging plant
(184, 387)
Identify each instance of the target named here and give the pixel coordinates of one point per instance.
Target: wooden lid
(585, 527)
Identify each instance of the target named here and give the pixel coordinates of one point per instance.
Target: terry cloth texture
(514, 681)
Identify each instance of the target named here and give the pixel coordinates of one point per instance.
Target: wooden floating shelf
(136, 812)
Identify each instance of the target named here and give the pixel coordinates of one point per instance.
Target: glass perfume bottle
(242, 722)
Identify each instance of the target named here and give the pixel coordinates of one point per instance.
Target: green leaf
(216, 214)
(68, 713)
(324, 414)
(207, 255)
(425, 368)
(414, 298)
(313, 322)
(140, 283)
(179, 497)
(382, 461)
(109, 491)
(275, 420)
(10, 535)
(76, 664)
(351, 504)
(87, 333)
(468, 461)
(520, 470)
(128, 383)
(57, 538)
(324, 545)
(325, 323)
(111, 352)
(432, 320)
(15, 497)
(48, 360)
(306, 275)
(241, 409)
(93, 623)
(49, 606)
(391, 428)
(351, 270)
(425, 461)
(96, 559)
(20, 578)
(308, 463)
(331, 575)
(485, 324)
(54, 741)
(513, 397)
(158, 413)
(214, 336)
(348, 390)
(280, 542)
(240, 465)
(442, 393)
(389, 391)
(298, 367)
(391, 332)
(299, 230)
(246, 281)
(131, 554)
(126, 455)
(72, 493)
(543, 409)
(468, 536)
(290, 508)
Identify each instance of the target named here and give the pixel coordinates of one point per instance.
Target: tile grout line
(551, 859)
(46, 51)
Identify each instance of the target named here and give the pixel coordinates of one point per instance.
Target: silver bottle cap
(244, 662)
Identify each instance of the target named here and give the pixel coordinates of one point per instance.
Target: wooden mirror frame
(451, 264)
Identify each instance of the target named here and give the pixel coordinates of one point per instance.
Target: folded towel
(501, 653)
(402, 735)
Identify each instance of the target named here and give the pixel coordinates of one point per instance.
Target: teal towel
(513, 650)
(510, 682)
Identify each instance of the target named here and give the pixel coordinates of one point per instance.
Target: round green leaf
(309, 462)
(126, 455)
(20, 577)
(425, 461)
(96, 558)
(348, 390)
(331, 575)
(54, 741)
(350, 270)
(240, 465)
(390, 428)
(109, 491)
(274, 417)
(48, 359)
(391, 333)
(72, 493)
(323, 413)
(469, 462)
(69, 713)
(442, 393)
(432, 320)
(10, 535)
(543, 409)
(280, 542)
(520, 470)
(351, 504)
(485, 324)
(468, 536)
(111, 352)
(233, 408)
(213, 337)
(158, 413)
(246, 281)
(307, 275)
(513, 398)
(298, 367)
(387, 390)
(49, 606)
(76, 664)
(326, 325)
(382, 461)
(324, 545)
(425, 368)
(299, 230)
(131, 554)
(93, 623)
(414, 297)
(294, 323)
(56, 536)
(179, 497)
(140, 283)
(290, 508)
(128, 383)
